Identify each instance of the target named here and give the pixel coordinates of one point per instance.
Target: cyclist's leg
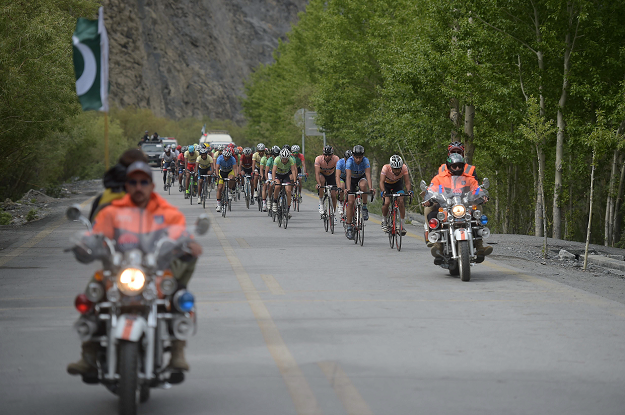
(320, 192)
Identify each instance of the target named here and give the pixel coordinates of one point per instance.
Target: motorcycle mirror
(486, 183)
(202, 224)
(423, 185)
(73, 212)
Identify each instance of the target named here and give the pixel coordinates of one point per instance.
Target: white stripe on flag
(104, 61)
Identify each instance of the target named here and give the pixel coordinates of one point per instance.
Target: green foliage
(5, 218)
(31, 215)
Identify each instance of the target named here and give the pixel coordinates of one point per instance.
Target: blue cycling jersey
(226, 165)
(358, 170)
(341, 166)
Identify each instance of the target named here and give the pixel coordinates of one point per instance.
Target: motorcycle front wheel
(464, 263)
(128, 390)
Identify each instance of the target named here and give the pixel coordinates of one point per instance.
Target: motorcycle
(134, 308)
(459, 223)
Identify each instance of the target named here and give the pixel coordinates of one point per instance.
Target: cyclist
(227, 168)
(393, 177)
(180, 165)
(256, 165)
(283, 171)
(167, 158)
(325, 174)
(275, 151)
(340, 179)
(190, 162)
(245, 166)
(205, 165)
(300, 162)
(357, 175)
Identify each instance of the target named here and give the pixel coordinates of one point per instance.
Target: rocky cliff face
(190, 57)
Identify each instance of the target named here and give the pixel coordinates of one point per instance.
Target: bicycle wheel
(361, 229)
(399, 228)
(191, 190)
(285, 211)
(326, 203)
(331, 218)
(390, 228)
(224, 202)
(280, 213)
(355, 222)
(247, 193)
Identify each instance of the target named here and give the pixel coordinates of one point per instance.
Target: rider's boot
(87, 363)
(177, 361)
(437, 250)
(481, 250)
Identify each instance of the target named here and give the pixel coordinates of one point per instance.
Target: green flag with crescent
(91, 51)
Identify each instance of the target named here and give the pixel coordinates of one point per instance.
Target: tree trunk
(592, 182)
(616, 233)
(609, 206)
(538, 212)
(541, 190)
(469, 118)
(454, 116)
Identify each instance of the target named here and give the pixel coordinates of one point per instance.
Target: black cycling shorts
(330, 180)
(204, 171)
(355, 181)
(394, 187)
(284, 178)
(247, 170)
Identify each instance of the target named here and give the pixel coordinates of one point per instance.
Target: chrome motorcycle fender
(461, 234)
(130, 327)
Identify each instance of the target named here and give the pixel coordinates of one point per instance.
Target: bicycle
(192, 187)
(204, 189)
(226, 204)
(247, 190)
(170, 178)
(296, 195)
(328, 207)
(211, 185)
(396, 229)
(270, 200)
(283, 207)
(359, 227)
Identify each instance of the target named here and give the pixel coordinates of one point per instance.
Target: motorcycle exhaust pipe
(85, 328)
(182, 327)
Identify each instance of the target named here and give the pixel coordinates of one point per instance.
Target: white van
(216, 138)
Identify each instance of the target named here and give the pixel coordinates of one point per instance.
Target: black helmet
(457, 161)
(358, 150)
(275, 150)
(348, 154)
(328, 150)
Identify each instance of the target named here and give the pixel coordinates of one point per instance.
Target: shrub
(5, 218)
(31, 215)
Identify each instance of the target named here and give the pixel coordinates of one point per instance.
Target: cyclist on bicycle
(325, 174)
(283, 171)
(269, 185)
(340, 179)
(205, 165)
(180, 166)
(227, 168)
(393, 177)
(300, 162)
(245, 166)
(190, 163)
(167, 158)
(256, 166)
(357, 175)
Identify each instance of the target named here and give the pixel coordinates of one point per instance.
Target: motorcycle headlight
(440, 216)
(458, 211)
(131, 281)
(477, 214)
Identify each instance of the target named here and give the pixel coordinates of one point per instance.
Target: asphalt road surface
(299, 321)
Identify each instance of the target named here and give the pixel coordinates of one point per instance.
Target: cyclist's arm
(382, 179)
(294, 172)
(303, 164)
(407, 182)
(186, 164)
(318, 174)
(348, 179)
(368, 176)
(337, 173)
(273, 171)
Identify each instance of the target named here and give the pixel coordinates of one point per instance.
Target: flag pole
(106, 140)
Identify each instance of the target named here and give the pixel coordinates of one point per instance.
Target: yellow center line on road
(299, 389)
(272, 284)
(38, 238)
(242, 243)
(349, 396)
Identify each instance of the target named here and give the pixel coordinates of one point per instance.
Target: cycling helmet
(358, 150)
(203, 150)
(236, 150)
(260, 147)
(227, 153)
(275, 150)
(240, 149)
(167, 148)
(288, 147)
(220, 147)
(184, 149)
(179, 148)
(191, 148)
(348, 154)
(295, 149)
(328, 150)
(396, 162)
(455, 164)
(285, 153)
(247, 151)
(455, 147)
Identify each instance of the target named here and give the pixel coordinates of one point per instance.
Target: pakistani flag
(91, 63)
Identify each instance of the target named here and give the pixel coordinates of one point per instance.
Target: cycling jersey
(269, 162)
(389, 176)
(258, 157)
(181, 161)
(283, 168)
(340, 165)
(246, 161)
(168, 158)
(191, 159)
(358, 170)
(326, 168)
(225, 165)
(205, 164)
(299, 159)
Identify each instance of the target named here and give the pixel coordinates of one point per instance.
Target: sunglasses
(456, 166)
(144, 182)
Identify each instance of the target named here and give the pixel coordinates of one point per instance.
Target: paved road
(299, 321)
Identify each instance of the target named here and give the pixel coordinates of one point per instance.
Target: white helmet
(285, 153)
(396, 162)
(260, 147)
(247, 151)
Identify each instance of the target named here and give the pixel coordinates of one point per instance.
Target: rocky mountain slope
(190, 57)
